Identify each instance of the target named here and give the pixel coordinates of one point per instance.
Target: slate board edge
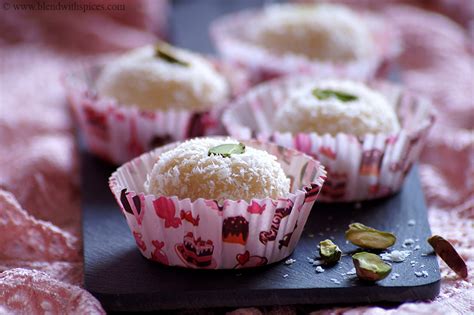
(292, 297)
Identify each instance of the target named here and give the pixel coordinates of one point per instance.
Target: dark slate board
(117, 274)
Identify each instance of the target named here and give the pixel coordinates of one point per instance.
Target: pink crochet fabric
(40, 240)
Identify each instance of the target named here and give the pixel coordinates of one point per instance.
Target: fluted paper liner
(206, 234)
(228, 35)
(118, 133)
(358, 169)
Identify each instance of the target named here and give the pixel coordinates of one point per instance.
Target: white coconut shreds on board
(370, 112)
(333, 280)
(187, 171)
(422, 273)
(408, 242)
(396, 255)
(290, 261)
(319, 269)
(140, 78)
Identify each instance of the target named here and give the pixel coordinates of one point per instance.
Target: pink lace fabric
(40, 240)
(40, 230)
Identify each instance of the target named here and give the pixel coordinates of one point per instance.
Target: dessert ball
(163, 77)
(217, 169)
(322, 32)
(336, 106)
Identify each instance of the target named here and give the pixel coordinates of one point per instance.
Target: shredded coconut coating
(188, 172)
(323, 32)
(139, 78)
(370, 113)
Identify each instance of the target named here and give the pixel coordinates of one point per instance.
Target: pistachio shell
(370, 267)
(446, 252)
(329, 252)
(367, 237)
(227, 149)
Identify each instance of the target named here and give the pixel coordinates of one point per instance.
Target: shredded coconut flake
(408, 242)
(290, 261)
(319, 269)
(422, 273)
(396, 255)
(335, 281)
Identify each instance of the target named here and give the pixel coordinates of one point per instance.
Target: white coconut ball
(188, 171)
(362, 110)
(324, 32)
(142, 78)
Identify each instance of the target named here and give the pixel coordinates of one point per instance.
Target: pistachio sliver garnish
(370, 267)
(225, 150)
(370, 238)
(324, 94)
(163, 51)
(449, 255)
(329, 252)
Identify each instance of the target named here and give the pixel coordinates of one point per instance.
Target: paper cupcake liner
(228, 35)
(118, 133)
(359, 168)
(206, 235)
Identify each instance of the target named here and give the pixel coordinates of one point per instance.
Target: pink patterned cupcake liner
(118, 133)
(205, 234)
(359, 168)
(228, 36)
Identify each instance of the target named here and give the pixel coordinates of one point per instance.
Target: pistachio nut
(370, 238)
(370, 267)
(163, 51)
(227, 149)
(324, 94)
(329, 252)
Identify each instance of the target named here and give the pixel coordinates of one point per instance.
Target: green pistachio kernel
(163, 51)
(451, 257)
(367, 237)
(329, 252)
(225, 150)
(370, 267)
(324, 94)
